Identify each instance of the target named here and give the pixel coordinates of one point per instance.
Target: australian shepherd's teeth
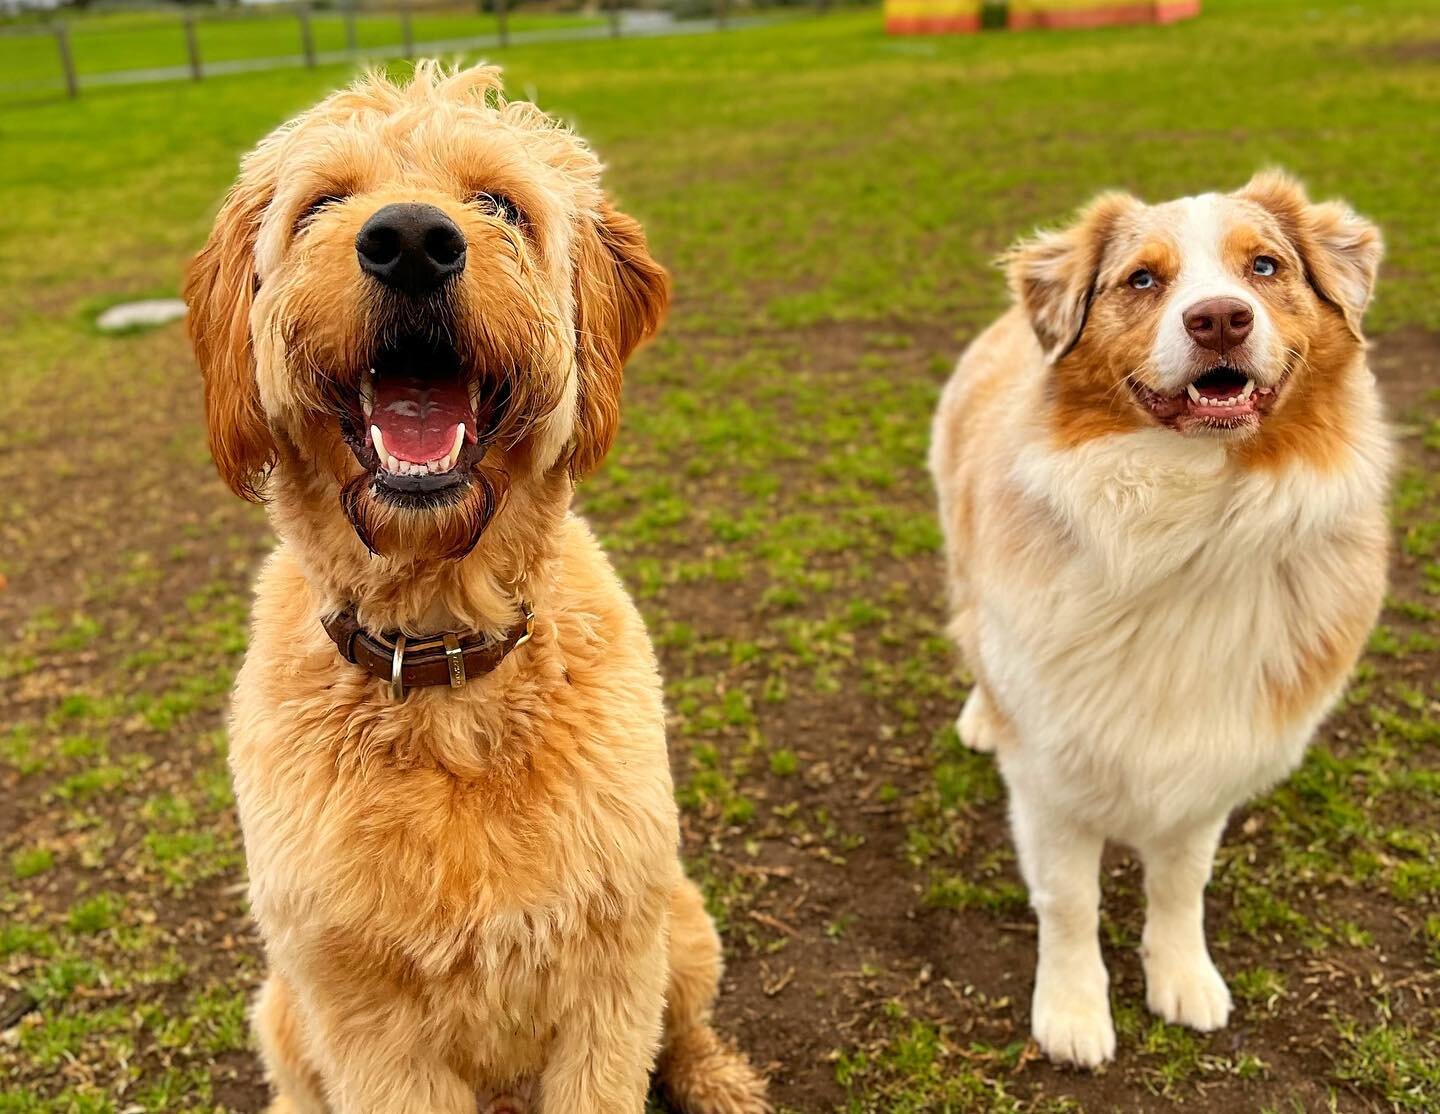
(1162, 481)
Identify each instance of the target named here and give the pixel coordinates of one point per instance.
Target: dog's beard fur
(450, 522)
(514, 401)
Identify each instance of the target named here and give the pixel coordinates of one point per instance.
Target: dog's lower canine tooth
(378, 442)
(1249, 388)
(1192, 392)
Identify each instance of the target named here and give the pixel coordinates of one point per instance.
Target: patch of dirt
(1417, 52)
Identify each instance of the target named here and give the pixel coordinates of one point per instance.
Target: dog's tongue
(417, 417)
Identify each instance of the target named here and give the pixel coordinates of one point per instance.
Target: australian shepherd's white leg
(1181, 982)
(1070, 1013)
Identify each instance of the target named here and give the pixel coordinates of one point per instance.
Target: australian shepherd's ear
(219, 291)
(1052, 274)
(621, 295)
(1341, 249)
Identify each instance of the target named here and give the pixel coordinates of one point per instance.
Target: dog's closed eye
(315, 207)
(498, 205)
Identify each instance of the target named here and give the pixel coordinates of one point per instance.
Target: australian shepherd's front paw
(1186, 990)
(1072, 1024)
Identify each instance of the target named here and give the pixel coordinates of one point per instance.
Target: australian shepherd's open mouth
(1220, 399)
(422, 419)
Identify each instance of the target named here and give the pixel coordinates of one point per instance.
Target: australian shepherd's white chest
(1162, 482)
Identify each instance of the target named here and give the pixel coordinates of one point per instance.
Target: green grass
(828, 200)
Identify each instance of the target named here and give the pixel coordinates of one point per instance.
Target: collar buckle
(455, 660)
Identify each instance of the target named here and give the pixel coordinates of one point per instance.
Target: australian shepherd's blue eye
(1141, 279)
(1264, 266)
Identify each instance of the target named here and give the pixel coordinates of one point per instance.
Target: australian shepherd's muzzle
(1162, 481)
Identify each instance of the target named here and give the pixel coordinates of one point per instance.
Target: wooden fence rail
(612, 20)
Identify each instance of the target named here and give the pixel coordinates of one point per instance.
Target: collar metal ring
(397, 669)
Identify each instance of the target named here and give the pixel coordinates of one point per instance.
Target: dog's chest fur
(1185, 624)
(463, 850)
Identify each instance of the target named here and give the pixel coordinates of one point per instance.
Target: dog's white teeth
(1249, 388)
(1194, 394)
(367, 396)
(396, 466)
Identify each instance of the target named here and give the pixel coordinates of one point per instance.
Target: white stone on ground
(147, 314)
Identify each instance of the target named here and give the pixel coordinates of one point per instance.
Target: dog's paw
(1073, 1026)
(1187, 992)
(974, 726)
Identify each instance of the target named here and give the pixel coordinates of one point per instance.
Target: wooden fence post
(67, 61)
(405, 31)
(352, 44)
(307, 39)
(722, 13)
(192, 48)
(614, 19)
(502, 13)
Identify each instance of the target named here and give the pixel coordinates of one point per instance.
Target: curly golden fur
(471, 899)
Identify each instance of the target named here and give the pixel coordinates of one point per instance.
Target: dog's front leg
(374, 1077)
(606, 1045)
(379, 1057)
(1181, 982)
(1070, 1013)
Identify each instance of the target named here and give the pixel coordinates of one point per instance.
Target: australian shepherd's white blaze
(1162, 481)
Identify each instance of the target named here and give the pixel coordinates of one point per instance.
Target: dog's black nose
(411, 248)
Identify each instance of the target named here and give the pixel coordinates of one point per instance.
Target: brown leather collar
(445, 659)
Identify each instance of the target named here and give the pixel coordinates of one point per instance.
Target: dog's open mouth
(423, 421)
(1222, 398)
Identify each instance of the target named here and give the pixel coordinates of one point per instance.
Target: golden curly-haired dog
(412, 317)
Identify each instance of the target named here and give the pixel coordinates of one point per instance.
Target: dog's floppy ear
(219, 291)
(1052, 274)
(621, 294)
(1341, 249)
